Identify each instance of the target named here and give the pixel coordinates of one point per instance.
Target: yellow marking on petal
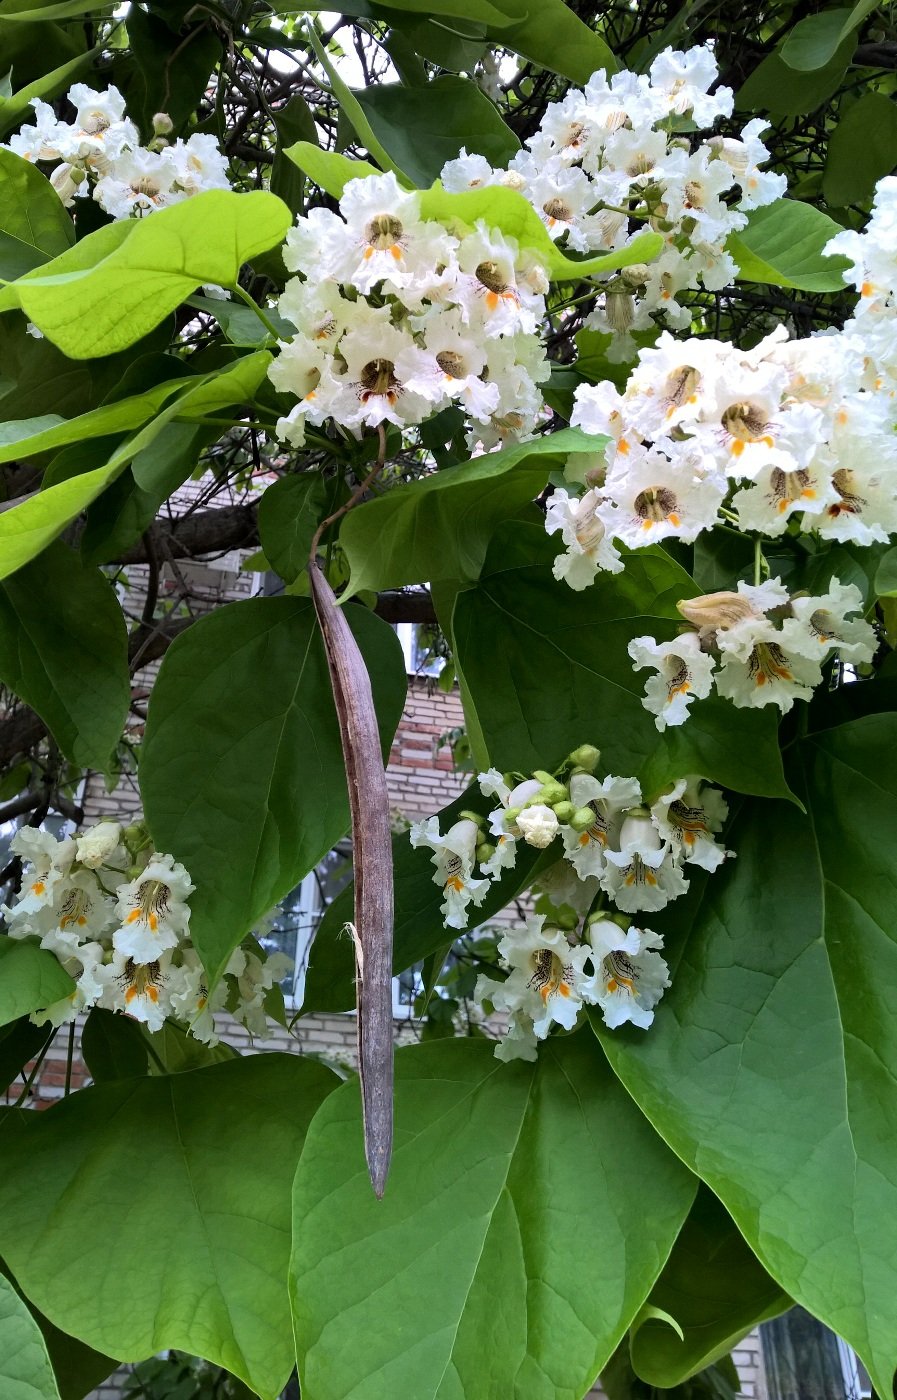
(38, 887)
(737, 447)
(133, 916)
(455, 882)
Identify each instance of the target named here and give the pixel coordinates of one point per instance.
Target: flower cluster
(615, 849)
(614, 158)
(873, 271)
(115, 914)
(704, 432)
(101, 147)
(397, 319)
(770, 648)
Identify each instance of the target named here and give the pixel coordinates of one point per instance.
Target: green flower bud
(474, 817)
(582, 819)
(567, 919)
(510, 815)
(543, 776)
(485, 851)
(552, 792)
(586, 756)
(162, 124)
(563, 811)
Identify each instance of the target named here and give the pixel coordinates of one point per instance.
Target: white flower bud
(97, 844)
(162, 124)
(539, 825)
(716, 610)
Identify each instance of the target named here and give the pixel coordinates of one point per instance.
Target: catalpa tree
(569, 331)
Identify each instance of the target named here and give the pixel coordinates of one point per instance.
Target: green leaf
(439, 526)
(169, 67)
(77, 1368)
(862, 149)
(329, 170)
(242, 771)
(771, 1065)
(113, 1046)
(715, 1290)
(20, 1041)
(31, 978)
(28, 528)
(782, 246)
(288, 516)
(515, 216)
(30, 208)
(423, 127)
(503, 1259)
(115, 285)
(419, 925)
(48, 86)
(64, 651)
(886, 576)
(25, 1370)
(547, 669)
(192, 1173)
(776, 88)
(814, 40)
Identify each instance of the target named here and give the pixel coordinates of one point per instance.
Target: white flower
(519, 1040)
(642, 874)
(538, 825)
(137, 182)
(489, 294)
(821, 625)
(757, 670)
(86, 966)
(449, 366)
(154, 916)
(255, 977)
(686, 818)
(684, 673)
(684, 77)
(189, 997)
(547, 977)
(453, 856)
(584, 534)
(631, 975)
(41, 141)
(468, 172)
(139, 989)
(47, 864)
(608, 798)
(95, 846)
(654, 498)
(744, 156)
(199, 164)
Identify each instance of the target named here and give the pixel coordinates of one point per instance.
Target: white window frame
(854, 1387)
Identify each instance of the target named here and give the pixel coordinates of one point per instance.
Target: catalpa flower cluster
(784, 435)
(397, 319)
(101, 150)
(758, 646)
(116, 916)
(615, 158)
(613, 850)
(873, 271)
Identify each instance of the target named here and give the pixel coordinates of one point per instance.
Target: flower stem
(759, 562)
(259, 310)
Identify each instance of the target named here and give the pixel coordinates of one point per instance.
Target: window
(804, 1360)
(296, 924)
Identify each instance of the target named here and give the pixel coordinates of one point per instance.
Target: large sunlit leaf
(115, 285)
(28, 528)
(31, 978)
(783, 244)
(547, 669)
(64, 651)
(772, 1062)
(528, 1211)
(439, 526)
(242, 771)
(190, 1175)
(508, 210)
(25, 1370)
(774, 87)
